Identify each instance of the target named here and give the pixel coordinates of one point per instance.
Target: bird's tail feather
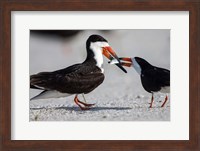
(37, 96)
(50, 94)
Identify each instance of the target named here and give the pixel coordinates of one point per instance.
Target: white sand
(121, 97)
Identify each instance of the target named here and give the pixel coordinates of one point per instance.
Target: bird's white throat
(96, 47)
(136, 66)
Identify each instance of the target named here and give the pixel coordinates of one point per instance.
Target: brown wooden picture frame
(7, 6)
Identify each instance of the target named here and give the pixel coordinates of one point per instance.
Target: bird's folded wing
(164, 77)
(157, 77)
(66, 83)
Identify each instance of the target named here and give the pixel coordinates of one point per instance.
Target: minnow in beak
(127, 62)
(111, 55)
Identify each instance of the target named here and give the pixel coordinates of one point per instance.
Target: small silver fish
(113, 61)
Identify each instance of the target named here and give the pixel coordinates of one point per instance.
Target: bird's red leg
(166, 98)
(77, 102)
(151, 101)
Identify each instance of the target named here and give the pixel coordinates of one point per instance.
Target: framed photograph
(92, 75)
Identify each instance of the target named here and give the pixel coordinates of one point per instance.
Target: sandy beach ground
(121, 96)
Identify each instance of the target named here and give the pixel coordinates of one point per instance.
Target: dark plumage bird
(79, 78)
(154, 79)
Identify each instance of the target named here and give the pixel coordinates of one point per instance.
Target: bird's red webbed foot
(85, 106)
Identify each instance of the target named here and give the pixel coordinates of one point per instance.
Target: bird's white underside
(96, 47)
(165, 89)
(50, 94)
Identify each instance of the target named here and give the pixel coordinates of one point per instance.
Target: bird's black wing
(36, 80)
(74, 79)
(155, 78)
(163, 77)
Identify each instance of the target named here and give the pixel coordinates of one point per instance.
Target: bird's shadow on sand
(91, 109)
(94, 108)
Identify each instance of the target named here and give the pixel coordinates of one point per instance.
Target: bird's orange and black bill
(126, 62)
(110, 54)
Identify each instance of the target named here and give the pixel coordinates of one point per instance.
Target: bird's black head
(94, 38)
(96, 47)
(142, 63)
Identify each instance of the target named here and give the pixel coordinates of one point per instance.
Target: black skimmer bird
(154, 79)
(79, 78)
